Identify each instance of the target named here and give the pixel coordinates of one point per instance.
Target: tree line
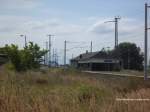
(24, 59)
(30, 56)
(129, 54)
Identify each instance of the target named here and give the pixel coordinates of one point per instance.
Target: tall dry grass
(59, 90)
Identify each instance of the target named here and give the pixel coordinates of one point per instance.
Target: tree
(14, 56)
(32, 55)
(28, 58)
(131, 56)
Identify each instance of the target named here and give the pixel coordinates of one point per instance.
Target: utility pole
(46, 55)
(128, 58)
(65, 49)
(116, 30)
(25, 38)
(55, 57)
(50, 44)
(146, 41)
(65, 42)
(91, 46)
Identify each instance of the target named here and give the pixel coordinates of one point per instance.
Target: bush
(28, 58)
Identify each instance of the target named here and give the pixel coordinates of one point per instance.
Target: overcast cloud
(27, 17)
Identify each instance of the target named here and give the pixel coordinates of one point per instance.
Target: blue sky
(85, 8)
(73, 10)
(72, 20)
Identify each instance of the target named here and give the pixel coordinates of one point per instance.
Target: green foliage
(14, 56)
(131, 56)
(28, 58)
(3, 50)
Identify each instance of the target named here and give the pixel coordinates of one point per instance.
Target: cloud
(96, 30)
(10, 24)
(130, 26)
(127, 27)
(37, 28)
(130, 30)
(19, 4)
(101, 28)
(36, 19)
(55, 26)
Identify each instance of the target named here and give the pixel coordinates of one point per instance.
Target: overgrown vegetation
(25, 59)
(130, 55)
(69, 90)
(59, 90)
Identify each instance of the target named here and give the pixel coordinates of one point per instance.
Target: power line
(77, 48)
(75, 42)
(65, 50)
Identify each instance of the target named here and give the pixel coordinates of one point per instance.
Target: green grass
(62, 90)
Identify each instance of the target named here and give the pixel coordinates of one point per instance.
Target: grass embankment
(58, 90)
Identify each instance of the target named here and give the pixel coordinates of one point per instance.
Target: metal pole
(25, 38)
(25, 41)
(57, 60)
(65, 52)
(55, 57)
(49, 50)
(46, 55)
(146, 34)
(116, 29)
(116, 32)
(91, 46)
(128, 59)
(50, 45)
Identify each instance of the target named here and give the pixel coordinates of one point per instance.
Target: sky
(77, 21)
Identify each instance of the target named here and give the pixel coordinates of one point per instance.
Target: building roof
(85, 56)
(99, 61)
(94, 55)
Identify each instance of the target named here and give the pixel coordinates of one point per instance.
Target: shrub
(28, 58)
